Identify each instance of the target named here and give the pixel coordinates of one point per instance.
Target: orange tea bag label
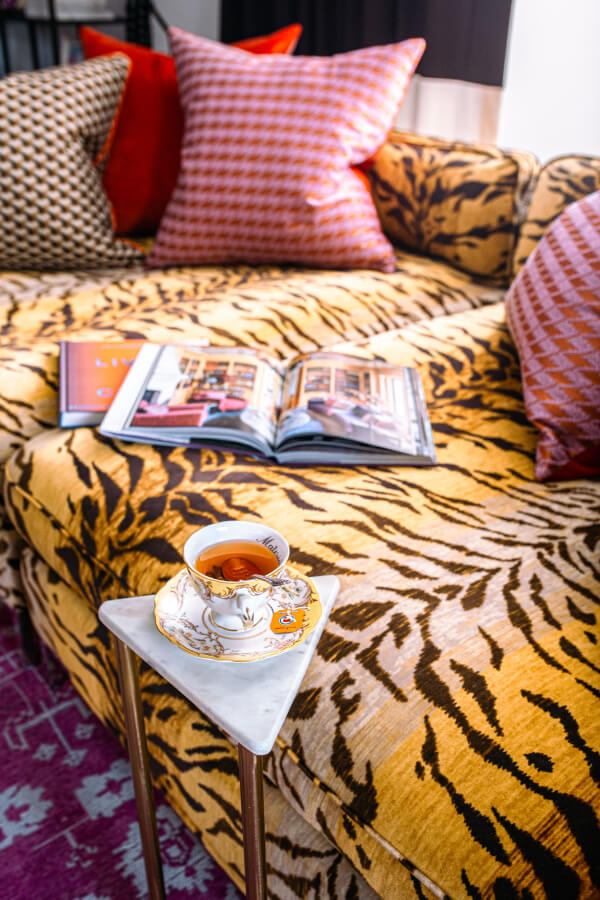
(286, 620)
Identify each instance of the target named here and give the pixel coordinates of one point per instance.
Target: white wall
(450, 109)
(551, 98)
(198, 16)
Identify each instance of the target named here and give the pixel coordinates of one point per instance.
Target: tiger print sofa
(445, 739)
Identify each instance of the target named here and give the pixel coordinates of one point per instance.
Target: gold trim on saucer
(183, 617)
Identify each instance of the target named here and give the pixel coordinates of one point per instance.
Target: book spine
(62, 381)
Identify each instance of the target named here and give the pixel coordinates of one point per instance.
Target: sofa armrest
(561, 181)
(461, 202)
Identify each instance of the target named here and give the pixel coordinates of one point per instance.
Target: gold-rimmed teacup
(235, 605)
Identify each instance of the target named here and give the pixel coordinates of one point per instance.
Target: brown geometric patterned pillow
(56, 126)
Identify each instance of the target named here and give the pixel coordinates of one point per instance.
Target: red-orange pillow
(144, 162)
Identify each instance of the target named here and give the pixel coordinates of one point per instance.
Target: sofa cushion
(561, 181)
(461, 202)
(269, 147)
(56, 128)
(463, 614)
(26, 285)
(28, 405)
(293, 310)
(142, 169)
(553, 311)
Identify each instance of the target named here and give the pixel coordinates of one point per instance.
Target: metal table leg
(253, 823)
(138, 755)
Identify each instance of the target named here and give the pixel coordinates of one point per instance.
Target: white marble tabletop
(248, 700)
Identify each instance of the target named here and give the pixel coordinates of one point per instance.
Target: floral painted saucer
(288, 617)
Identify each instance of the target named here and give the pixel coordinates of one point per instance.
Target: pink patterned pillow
(553, 310)
(268, 149)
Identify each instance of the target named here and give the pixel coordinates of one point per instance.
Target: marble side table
(250, 710)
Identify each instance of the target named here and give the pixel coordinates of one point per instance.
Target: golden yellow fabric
(267, 300)
(290, 310)
(448, 722)
(561, 181)
(461, 202)
(24, 286)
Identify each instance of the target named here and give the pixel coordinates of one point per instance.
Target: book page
(192, 390)
(332, 396)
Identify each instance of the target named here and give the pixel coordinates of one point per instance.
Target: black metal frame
(137, 18)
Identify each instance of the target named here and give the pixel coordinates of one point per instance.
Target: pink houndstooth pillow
(268, 154)
(553, 310)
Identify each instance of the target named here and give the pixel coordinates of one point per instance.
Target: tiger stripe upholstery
(444, 740)
(463, 203)
(287, 310)
(561, 181)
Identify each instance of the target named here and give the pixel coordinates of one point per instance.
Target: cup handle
(247, 604)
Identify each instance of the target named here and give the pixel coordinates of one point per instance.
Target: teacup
(234, 605)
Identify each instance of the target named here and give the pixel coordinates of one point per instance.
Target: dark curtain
(466, 39)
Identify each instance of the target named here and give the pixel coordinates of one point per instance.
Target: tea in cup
(224, 560)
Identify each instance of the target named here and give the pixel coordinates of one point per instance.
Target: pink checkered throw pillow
(269, 147)
(553, 311)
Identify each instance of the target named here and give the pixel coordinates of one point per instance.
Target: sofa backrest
(462, 202)
(561, 181)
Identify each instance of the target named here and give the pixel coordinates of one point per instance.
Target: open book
(324, 409)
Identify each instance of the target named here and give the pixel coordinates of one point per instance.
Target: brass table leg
(253, 823)
(138, 755)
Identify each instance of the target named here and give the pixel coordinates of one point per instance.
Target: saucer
(289, 616)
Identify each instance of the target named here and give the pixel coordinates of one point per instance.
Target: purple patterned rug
(68, 823)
